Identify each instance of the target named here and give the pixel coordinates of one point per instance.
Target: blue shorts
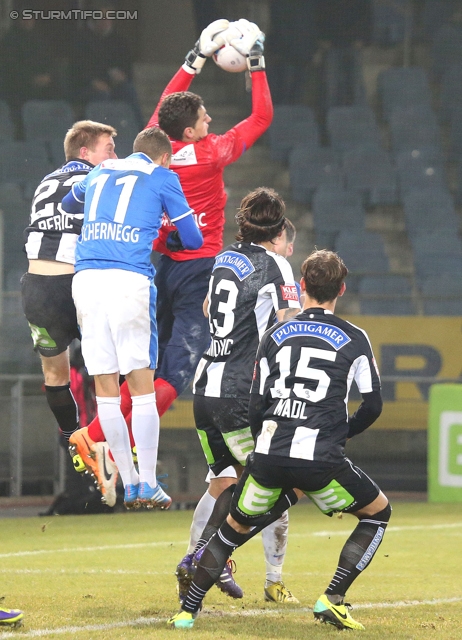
(183, 329)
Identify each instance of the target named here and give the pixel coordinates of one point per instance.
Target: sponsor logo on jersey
(237, 262)
(327, 332)
(289, 292)
(184, 157)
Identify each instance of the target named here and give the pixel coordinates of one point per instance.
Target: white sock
(201, 515)
(116, 433)
(274, 538)
(145, 428)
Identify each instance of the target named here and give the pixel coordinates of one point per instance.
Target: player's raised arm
(209, 41)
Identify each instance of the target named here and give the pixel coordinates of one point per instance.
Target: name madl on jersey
(290, 409)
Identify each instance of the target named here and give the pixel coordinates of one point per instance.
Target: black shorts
(223, 428)
(341, 487)
(49, 308)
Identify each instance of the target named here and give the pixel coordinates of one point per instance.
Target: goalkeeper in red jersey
(199, 158)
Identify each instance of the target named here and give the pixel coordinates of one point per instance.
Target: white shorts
(116, 312)
(229, 472)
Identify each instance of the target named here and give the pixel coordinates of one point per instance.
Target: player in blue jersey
(115, 296)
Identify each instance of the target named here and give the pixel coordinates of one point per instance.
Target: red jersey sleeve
(231, 145)
(181, 81)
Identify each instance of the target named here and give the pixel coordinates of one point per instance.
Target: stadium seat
(120, 116)
(428, 155)
(456, 134)
(310, 168)
(425, 208)
(426, 266)
(23, 161)
(439, 241)
(402, 87)
(6, 124)
(292, 125)
(47, 119)
(447, 48)
(416, 173)
(414, 127)
(435, 14)
(343, 78)
(363, 252)
(451, 91)
(386, 295)
(57, 152)
(390, 20)
(335, 210)
(442, 295)
(371, 173)
(352, 127)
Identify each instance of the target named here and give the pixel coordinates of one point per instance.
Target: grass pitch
(111, 576)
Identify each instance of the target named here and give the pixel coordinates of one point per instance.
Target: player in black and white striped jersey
(251, 285)
(46, 288)
(298, 416)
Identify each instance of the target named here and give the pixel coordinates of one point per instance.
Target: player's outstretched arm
(242, 136)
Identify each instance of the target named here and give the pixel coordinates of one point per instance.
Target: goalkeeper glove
(247, 38)
(210, 40)
(255, 59)
(174, 242)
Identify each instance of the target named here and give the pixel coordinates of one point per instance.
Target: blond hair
(85, 133)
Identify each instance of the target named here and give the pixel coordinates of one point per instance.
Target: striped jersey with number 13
(248, 285)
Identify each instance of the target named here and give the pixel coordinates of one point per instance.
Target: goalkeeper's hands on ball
(209, 41)
(246, 37)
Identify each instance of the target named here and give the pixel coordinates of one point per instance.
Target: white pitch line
(144, 545)
(80, 572)
(140, 545)
(38, 633)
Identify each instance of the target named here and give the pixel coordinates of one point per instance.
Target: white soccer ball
(229, 59)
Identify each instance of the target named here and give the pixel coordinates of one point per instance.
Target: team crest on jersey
(289, 292)
(184, 157)
(327, 332)
(237, 262)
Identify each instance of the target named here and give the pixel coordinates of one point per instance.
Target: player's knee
(384, 515)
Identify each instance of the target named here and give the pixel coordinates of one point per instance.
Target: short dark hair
(178, 111)
(260, 216)
(153, 142)
(323, 273)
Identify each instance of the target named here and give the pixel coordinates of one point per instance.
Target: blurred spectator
(26, 67)
(345, 26)
(291, 45)
(102, 64)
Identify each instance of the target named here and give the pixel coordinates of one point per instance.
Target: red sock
(165, 395)
(95, 432)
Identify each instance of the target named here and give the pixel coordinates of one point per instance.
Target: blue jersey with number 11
(124, 203)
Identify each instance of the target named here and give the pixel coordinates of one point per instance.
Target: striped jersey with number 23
(304, 371)
(247, 286)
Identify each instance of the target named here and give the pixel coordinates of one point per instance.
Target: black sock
(358, 551)
(62, 403)
(217, 517)
(214, 558)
